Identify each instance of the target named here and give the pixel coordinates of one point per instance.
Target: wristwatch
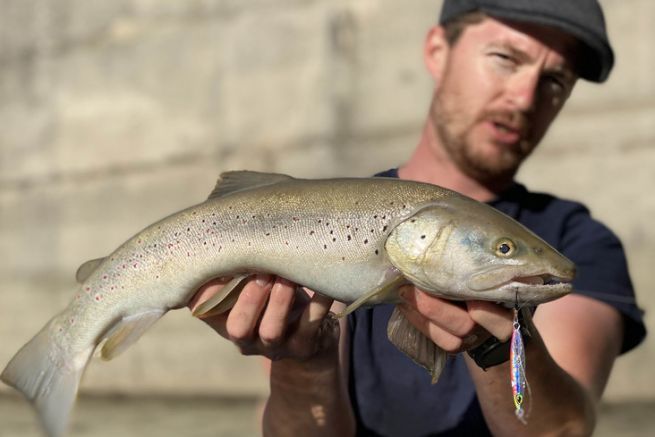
(494, 352)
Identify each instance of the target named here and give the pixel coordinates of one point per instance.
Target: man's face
(501, 85)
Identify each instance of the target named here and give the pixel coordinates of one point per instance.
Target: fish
(356, 240)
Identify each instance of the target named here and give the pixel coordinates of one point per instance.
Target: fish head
(465, 250)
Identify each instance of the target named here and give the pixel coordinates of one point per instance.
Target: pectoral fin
(380, 294)
(127, 331)
(223, 300)
(408, 339)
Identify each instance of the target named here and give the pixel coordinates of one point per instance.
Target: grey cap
(582, 19)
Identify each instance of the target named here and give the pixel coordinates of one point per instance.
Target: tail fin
(48, 378)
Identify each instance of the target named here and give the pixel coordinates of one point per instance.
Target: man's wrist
(493, 352)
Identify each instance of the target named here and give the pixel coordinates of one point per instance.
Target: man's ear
(435, 51)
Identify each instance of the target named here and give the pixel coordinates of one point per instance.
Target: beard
(494, 165)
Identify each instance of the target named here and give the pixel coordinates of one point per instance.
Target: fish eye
(505, 248)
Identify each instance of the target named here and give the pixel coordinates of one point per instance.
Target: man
(502, 71)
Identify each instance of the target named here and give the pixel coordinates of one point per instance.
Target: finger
(244, 316)
(448, 316)
(492, 317)
(317, 309)
(276, 315)
(439, 336)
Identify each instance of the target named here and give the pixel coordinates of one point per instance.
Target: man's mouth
(505, 133)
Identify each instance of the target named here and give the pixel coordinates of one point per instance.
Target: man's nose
(521, 90)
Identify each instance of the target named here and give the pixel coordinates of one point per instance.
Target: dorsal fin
(233, 181)
(86, 269)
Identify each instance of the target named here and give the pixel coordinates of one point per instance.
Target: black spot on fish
(377, 251)
(384, 228)
(366, 241)
(311, 232)
(325, 246)
(334, 239)
(349, 238)
(422, 237)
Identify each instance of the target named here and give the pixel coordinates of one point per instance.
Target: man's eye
(504, 58)
(554, 85)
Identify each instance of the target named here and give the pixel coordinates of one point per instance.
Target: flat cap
(582, 19)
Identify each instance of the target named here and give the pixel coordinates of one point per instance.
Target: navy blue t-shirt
(392, 396)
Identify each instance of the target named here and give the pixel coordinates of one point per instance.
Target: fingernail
(263, 280)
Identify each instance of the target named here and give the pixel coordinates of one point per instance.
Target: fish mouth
(543, 287)
(508, 285)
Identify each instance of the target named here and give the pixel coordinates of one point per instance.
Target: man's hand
(275, 318)
(454, 326)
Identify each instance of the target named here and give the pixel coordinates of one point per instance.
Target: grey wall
(113, 114)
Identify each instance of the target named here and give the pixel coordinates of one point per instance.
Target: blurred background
(116, 113)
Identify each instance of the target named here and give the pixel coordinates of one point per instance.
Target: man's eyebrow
(507, 46)
(566, 71)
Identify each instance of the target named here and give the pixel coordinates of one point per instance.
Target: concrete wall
(113, 114)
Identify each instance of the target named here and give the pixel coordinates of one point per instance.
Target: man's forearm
(307, 399)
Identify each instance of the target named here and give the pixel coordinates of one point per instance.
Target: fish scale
(354, 240)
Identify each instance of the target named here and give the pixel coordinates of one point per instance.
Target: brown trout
(354, 240)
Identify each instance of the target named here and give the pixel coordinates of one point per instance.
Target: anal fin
(223, 300)
(86, 269)
(413, 343)
(127, 331)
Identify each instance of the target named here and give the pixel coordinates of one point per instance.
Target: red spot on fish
(134, 265)
(104, 277)
(98, 298)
